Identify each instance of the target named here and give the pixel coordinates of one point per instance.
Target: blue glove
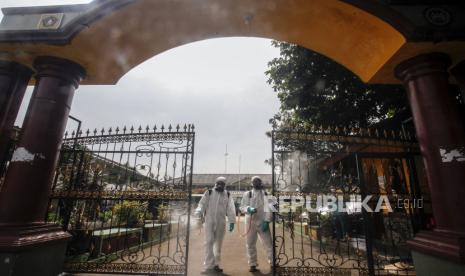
(251, 210)
(265, 226)
(231, 227)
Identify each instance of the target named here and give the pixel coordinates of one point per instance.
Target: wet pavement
(233, 259)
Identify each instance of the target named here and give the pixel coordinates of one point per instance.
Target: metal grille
(124, 196)
(311, 162)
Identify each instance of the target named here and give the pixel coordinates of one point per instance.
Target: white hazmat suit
(256, 198)
(215, 206)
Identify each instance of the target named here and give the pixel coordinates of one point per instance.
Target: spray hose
(200, 224)
(248, 228)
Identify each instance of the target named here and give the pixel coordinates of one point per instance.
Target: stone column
(14, 78)
(28, 246)
(441, 136)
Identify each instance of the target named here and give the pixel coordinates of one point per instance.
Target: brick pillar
(441, 136)
(14, 78)
(31, 245)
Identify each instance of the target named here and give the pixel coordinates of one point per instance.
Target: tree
(315, 89)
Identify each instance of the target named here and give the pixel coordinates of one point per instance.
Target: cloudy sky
(219, 85)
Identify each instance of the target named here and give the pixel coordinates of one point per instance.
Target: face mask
(257, 185)
(219, 187)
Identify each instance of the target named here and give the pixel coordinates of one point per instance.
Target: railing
(124, 195)
(343, 163)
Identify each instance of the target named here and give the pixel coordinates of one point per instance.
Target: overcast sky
(219, 85)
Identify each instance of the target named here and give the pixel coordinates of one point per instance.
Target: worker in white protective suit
(214, 206)
(258, 216)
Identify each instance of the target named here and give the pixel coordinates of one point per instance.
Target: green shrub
(130, 213)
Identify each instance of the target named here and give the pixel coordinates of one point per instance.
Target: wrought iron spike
(124, 129)
(109, 130)
(79, 132)
(132, 129)
(102, 131)
(154, 127)
(66, 134)
(147, 128)
(170, 128)
(177, 128)
(140, 128)
(162, 128)
(193, 127)
(95, 131)
(185, 127)
(73, 133)
(117, 130)
(87, 132)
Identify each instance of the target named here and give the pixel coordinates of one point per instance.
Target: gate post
(441, 136)
(28, 245)
(14, 78)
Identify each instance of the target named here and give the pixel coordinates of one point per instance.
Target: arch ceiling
(109, 38)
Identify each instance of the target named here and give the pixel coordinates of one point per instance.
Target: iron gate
(311, 163)
(124, 196)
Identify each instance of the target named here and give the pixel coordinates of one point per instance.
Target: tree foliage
(315, 89)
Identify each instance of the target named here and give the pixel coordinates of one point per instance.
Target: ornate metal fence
(124, 196)
(315, 165)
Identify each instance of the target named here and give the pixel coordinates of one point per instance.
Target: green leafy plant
(163, 213)
(130, 213)
(317, 90)
(106, 216)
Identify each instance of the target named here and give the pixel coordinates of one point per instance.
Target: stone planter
(111, 240)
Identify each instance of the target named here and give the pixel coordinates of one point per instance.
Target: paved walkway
(234, 258)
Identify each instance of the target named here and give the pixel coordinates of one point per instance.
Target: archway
(369, 39)
(365, 42)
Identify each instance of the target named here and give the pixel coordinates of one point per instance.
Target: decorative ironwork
(124, 196)
(125, 268)
(309, 162)
(305, 135)
(317, 271)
